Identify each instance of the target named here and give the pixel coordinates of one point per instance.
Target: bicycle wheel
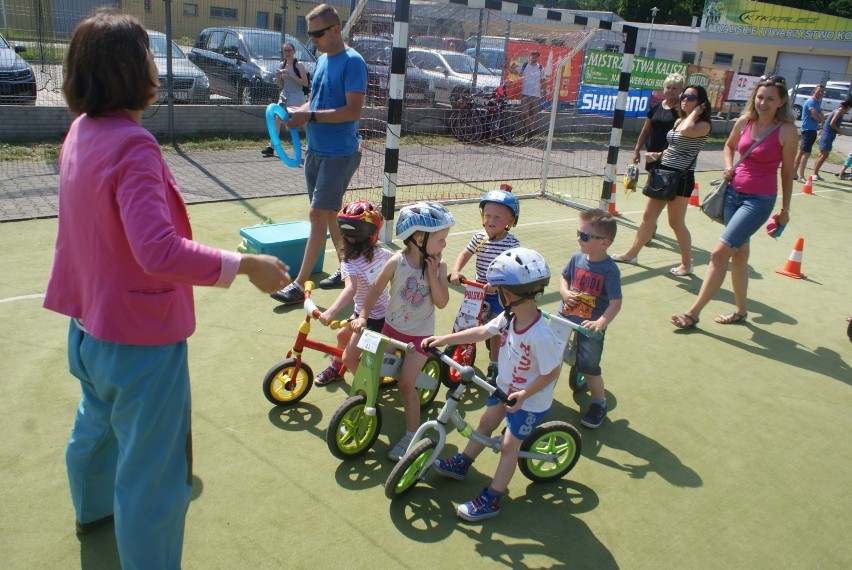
(559, 438)
(282, 386)
(352, 432)
(433, 368)
(404, 476)
(455, 121)
(511, 128)
(473, 128)
(464, 354)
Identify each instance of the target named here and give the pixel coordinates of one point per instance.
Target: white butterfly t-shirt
(411, 310)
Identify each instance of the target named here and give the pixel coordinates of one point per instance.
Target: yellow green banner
(744, 18)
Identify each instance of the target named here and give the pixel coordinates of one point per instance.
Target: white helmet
(519, 270)
(426, 217)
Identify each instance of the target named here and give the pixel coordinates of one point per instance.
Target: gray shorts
(327, 178)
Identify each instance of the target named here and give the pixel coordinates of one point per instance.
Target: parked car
(834, 95)
(241, 62)
(452, 73)
(438, 42)
(17, 80)
(376, 51)
(493, 58)
(189, 83)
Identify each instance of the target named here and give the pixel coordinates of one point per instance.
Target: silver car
(452, 73)
(834, 95)
(190, 84)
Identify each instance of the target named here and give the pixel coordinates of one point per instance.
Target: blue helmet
(520, 270)
(506, 199)
(426, 217)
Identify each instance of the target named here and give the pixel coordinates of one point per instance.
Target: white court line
(23, 297)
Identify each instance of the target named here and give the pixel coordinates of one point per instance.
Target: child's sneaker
(400, 448)
(491, 374)
(454, 467)
(484, 506)
(327, 376)
(594, 417)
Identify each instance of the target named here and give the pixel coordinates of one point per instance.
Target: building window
(301, 26)
(147, 5)
(687, 57)
(223, 13)
(758, 65)
(263, 20)
(614, 48)
(276, 22)
(190, 9)
(723, 59)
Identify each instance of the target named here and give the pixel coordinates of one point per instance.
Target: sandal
(732, 318)
(684, 321)
(678, 272)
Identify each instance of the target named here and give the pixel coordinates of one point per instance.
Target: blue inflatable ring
(291, 161)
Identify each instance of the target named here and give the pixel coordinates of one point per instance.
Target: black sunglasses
(321, 32)
(584, 237)
(688, 97)
(772, 79)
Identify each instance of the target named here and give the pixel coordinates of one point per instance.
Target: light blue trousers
(130, 452)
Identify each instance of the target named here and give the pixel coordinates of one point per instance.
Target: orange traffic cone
(808, 188)
(693, 199)
(612, 209)
(793, 267)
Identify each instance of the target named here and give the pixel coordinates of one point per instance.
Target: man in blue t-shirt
(812, 118)
(331, 123)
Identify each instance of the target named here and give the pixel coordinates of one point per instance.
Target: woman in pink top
(751, 194)
(123, 270)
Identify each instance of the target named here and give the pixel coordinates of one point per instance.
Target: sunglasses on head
(688, 97)
(321, 32)
(584, 237)
(771, 79)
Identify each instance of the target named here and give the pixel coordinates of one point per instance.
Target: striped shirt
(365, 273)
(486, 250)
(682, 152)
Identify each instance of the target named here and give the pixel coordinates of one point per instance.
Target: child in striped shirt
(500, 211)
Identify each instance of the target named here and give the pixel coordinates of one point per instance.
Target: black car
(241, 62)
(17, 80)
(376, 52)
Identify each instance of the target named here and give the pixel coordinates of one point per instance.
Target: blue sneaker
(485, 506)
(594, 417)
(454, 467)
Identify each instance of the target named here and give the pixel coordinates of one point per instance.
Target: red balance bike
(472, 313)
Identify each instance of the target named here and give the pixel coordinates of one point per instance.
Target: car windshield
(461, 63)
(3, 43)
(158, 46)
(268, 46)
(374, 52)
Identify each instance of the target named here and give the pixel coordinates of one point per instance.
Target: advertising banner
(604, 68)
(518, 53)
(746, 18)
(713, 80)
(600, 100)
(741, 87)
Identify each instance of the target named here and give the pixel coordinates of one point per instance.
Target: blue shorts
(327, 178)
(494, 306)
(521, 423)
(744, 215)
(826, 140)
(589, 352)
(807, 141)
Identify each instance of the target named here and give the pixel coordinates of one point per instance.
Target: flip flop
(684, 321)
(732, 318)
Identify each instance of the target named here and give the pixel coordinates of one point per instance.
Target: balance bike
(291, 379)
(550, 451)
(569, 356)
(356, 424)
(471, 314)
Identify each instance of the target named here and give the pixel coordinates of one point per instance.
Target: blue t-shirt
(808, 122)
(595, 282)
(334, 77)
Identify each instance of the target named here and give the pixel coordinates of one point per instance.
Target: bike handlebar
(583, 330)
(468, 373)
(465, 281)
(312, 309)
(407, 347)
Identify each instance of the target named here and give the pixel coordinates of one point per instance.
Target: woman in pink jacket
(123, 270)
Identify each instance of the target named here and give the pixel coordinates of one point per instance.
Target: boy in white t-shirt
(529, 364)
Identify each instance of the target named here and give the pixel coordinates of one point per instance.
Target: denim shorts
(807, 141)
(327, 178)
(744, 214)
(826, 140)
(521, 423)
(589, 352)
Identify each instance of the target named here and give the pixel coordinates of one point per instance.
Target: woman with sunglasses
(292, 79)
(685, 141)
(751, 194)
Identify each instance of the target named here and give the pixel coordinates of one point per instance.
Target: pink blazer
(125, 262)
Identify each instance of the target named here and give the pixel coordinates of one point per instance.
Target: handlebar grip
(309, 286)
(591, 334)
(408, 347)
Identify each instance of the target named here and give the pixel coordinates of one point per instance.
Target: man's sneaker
(594, 417)
(333, 281)
(454, 467)
(268, 152)
(292, 293)
(327, 376)
(400, 448)
(483, 507)
(491, 375)
(817, 178)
